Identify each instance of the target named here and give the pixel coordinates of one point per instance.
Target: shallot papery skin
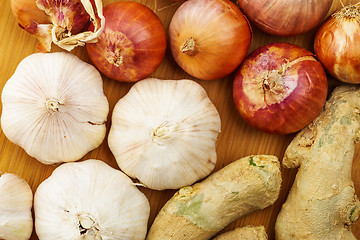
(337, 44)
(285, 17)
(68, 14)
(63, 22)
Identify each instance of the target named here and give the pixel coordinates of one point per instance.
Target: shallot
(133, 42)
(280, 88)
(285, 17)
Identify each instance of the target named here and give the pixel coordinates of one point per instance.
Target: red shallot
(132, 44)
(280, 88)
(285, 17)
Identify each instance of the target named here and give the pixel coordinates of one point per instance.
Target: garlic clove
(54, 107)
(90, 200)
(164, 133)
(16, 197)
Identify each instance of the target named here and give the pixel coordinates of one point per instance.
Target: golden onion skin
(209, 38)
(337, 44)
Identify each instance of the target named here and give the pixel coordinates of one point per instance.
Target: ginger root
(245, 233)
(322, 203)
(200, 211)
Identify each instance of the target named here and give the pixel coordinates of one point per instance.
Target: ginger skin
(199, 211)
(245, 233)
(322, 203)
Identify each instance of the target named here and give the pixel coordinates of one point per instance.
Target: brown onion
(62, 22)
(280, 88)
(285, 17)
(337, 44)
(209, 38)
(132, 44)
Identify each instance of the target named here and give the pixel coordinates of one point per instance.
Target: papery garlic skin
(16, 197)
(164, 133)
(54, 107)
(90, 200)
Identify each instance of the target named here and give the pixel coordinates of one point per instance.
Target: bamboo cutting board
(236, 140)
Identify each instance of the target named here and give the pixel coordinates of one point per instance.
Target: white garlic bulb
(16, 197)
(90, 200)
(54, 107)
(164, 133)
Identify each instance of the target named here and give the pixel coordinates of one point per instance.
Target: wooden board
(236, 140)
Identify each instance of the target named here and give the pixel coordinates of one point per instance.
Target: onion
(209, 38)
(285, 17)
(337, 44)
(280, 88)
(62, 22)
(132, 44)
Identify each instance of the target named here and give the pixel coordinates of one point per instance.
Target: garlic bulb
(54, 107)
(16, 197)
(164, 133)
(90, 200)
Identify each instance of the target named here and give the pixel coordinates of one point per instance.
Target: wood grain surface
(236, 140)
